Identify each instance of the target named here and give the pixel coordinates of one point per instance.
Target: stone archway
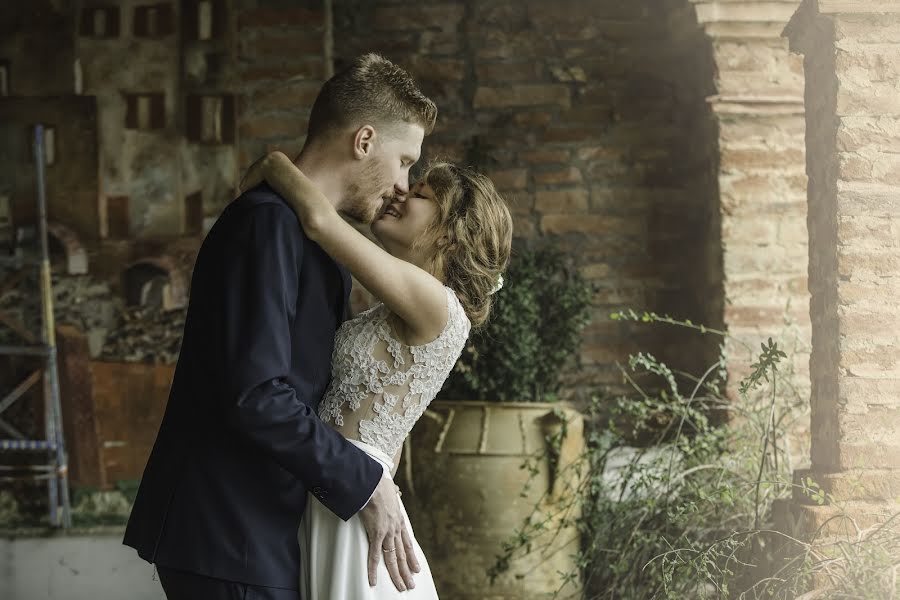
(156, 282)
(661, 141)
(65, 244)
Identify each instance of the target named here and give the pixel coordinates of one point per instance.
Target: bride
(445, 247)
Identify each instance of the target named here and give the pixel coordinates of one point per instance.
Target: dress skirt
(334, 554)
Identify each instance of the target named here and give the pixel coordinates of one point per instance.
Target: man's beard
(358, 203)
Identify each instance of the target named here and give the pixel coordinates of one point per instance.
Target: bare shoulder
(431, 317)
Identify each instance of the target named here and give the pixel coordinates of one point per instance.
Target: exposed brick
(523, 226)
(566, 175)
(828, 521)
(439, 42)
(600, 153)
(272, 17)
(296, 95)
(762, 315)
(569, 134)
(619, 297)
(510, 179)
(545, 156)
(561, 201)
(586, 224)
(452, 151)
(442, 69)
(595, 271)
(532, 119)
(496, 44)
(605, 354)
(855, 264)
(590, 115)
(753, 159)
(282, 46)
(520, 202)
(862, 231)
(858, 133)
(869, 325)
(274, 126)
(630, 132)
(489, 72)
(522, 95)
(445, 17)
(309, 69)
(869, 485)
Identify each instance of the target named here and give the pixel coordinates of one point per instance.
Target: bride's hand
(280, 172)
(256, 174)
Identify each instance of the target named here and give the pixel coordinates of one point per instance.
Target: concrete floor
(74, 567)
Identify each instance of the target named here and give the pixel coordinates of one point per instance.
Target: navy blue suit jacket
(240, 443)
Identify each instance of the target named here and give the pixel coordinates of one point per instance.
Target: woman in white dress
(445, 247)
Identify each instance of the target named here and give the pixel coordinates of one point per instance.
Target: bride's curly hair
(478, 227)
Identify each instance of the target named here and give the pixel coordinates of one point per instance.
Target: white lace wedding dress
(379, 389)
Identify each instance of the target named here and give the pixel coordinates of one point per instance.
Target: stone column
(762, 185)
(851, 54)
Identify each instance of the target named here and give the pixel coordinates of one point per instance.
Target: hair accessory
(497, 286)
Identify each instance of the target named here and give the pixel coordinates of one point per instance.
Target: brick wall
(592, 120)
(282, 63)
(851, 51)
(762, 181)
(853, 168)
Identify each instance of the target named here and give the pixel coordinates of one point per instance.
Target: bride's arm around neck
(417, 298)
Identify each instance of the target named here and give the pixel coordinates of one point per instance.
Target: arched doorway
(154, 283)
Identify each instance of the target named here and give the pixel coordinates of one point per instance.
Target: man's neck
(323, 175)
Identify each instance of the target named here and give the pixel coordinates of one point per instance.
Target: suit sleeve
(261, 272)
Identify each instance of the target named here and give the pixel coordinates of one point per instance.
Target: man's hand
(388, 537)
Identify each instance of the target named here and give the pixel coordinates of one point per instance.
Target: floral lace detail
(359, 379)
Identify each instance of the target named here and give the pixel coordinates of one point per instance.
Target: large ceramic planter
(466, 490)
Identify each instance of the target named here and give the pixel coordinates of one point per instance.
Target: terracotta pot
(466, 491)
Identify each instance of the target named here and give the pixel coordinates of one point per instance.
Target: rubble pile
(146, 335)
(78, 300)
(114, 332)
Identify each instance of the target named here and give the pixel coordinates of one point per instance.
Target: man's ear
(364, 141)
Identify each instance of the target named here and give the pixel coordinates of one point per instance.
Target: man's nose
(401, 191)
(401, 187)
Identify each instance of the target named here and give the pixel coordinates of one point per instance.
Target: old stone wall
(853, 237)
(851, 51)
(762, 180)
(659, 142)
(72, 168)
(283, 59)
(33, 66)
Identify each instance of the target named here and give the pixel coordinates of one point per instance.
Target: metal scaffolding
(55, 467)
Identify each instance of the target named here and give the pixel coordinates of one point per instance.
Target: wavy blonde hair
(478, 226)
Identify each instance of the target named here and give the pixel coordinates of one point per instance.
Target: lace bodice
(384, 384)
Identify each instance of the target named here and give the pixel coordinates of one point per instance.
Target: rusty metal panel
(130, 400)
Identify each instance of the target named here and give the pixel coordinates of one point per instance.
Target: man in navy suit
(240, 444)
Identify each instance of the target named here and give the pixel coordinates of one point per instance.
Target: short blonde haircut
(371, 89)
(477, 223)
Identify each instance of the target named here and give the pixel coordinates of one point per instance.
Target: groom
(240, 444)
